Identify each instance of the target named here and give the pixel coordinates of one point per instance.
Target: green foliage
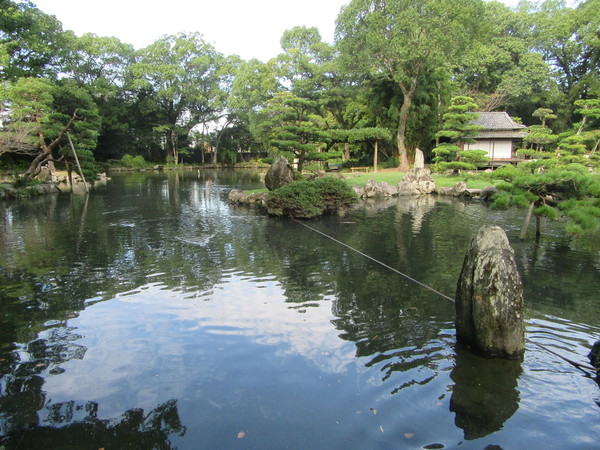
(32, 43)
(507, 172)
(544, 114)
(308, 199)
(457, 126)
(569, 189)
(546, 211)
(133, 162)
(323, 156)
(185, 76)
(445, 152)
(502, 200)
(295, 126)
(540, 137)
(402, 41)
(532, 153)
(475, 157)
(455, 166)
(390, 162)
(577, 167)
(24, 182)
(584, 214)
(392, 72)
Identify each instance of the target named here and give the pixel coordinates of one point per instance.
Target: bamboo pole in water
(527, 219)
(77, 161)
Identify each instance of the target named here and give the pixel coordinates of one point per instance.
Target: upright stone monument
(489, 297)
(419, 160)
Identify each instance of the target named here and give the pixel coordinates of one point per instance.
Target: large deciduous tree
(402, 39)
(100, 65)
(182, 74)
(500, 69)
(32, 43)
(569, 41)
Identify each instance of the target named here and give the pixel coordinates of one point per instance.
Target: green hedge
(308, 199)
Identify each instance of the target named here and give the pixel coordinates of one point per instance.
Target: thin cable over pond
(376, 260)
(441, 294)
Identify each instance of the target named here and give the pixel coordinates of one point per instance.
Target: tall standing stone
(489, 297)
(419, 159)
(279, 174)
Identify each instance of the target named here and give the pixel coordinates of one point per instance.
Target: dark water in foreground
(153, 314)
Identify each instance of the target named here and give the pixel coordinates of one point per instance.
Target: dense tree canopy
(403, 39)
(391, 71)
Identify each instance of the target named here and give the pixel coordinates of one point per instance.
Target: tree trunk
(46, 150)
(347, 151)
(215, 152)
(36, 165)
(583, 122)
(408, 94)
(171, 144)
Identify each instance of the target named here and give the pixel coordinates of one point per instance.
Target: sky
(248, 28)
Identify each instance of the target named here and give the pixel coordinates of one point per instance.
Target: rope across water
(375, 260)
(441, 294)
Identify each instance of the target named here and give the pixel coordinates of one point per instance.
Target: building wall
(495, 148)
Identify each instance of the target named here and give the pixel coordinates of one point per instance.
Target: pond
(154, 314)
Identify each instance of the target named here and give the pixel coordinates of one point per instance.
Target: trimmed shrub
(133, 162)
(308, 199)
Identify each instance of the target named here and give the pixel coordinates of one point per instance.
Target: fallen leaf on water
(373, 410)
(381, 428)
(241, 434)
(409, 435)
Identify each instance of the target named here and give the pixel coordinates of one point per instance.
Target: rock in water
(279, 174)
(489, 297)
(595, 355)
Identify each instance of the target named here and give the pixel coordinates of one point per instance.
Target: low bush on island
(309, 199)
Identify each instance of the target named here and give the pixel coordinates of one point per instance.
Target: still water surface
(154, 314)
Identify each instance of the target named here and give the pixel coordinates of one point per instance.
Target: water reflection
(156, 291)
(485, 393)
(417, 206)
(68, 424)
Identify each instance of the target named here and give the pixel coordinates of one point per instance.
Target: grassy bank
(394, 178)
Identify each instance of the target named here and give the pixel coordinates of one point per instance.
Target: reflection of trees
(22, 375)
(301, 259)
(60, 253)
(69, 425)
(573, 286)
(485, 392)
(376, 309)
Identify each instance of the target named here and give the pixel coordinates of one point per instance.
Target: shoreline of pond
(378, 190)
(60, 183)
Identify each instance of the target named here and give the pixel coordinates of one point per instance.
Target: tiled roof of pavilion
(498, 125)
